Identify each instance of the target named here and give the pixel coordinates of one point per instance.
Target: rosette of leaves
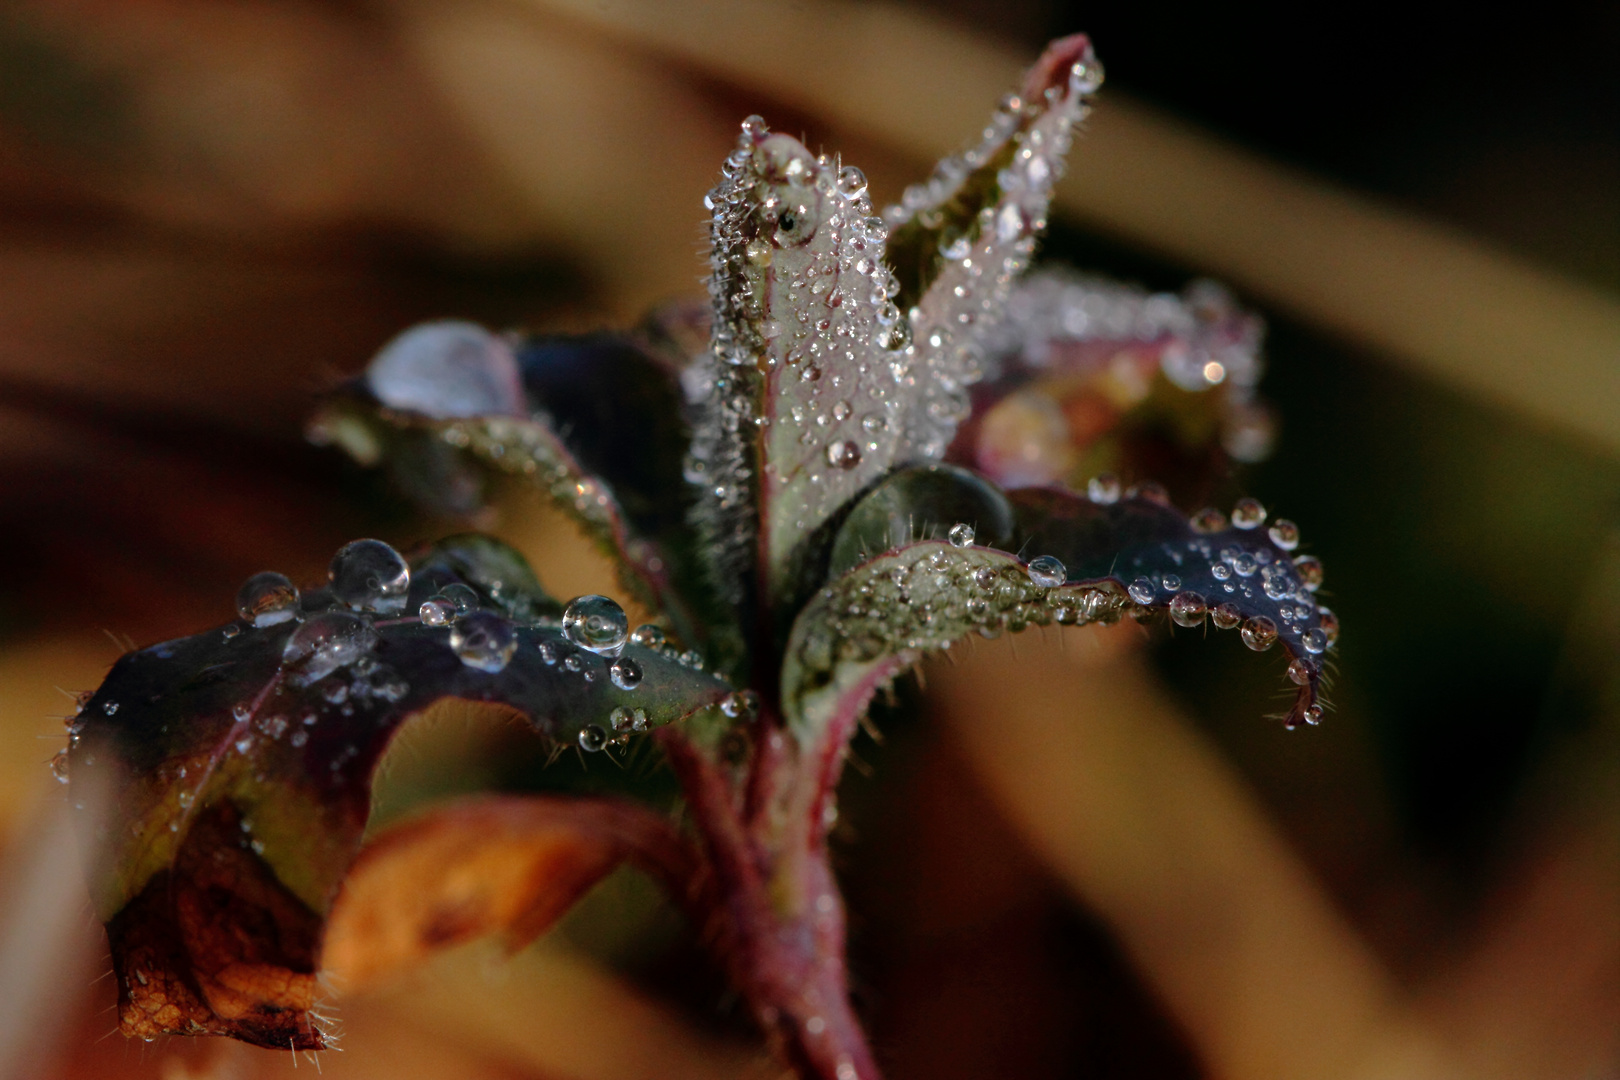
(780, 495)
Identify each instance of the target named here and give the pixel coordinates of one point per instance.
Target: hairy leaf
(1079, 560)
(236, 765)
(819, 381)
(961, 239)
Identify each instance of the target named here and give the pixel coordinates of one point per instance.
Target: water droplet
(241, 711)
(369, 575)
(1248, 514)
(1226, 616)
(648, 635)
(1300, 672)
(1187, 609)
(109, 707)
(1285, 534)
(1314, 640)
(740, 704)
(59, 766)
(758, 252)
(1142, 591)
(573, 663)
(1150, 491)
(625, 673)
(267, 599)
(231, 631)
(841, 411)
(548, 653)
(1313, 715)
(1047, 571)
(592, 738)
(851, 182)
(1245, 564)
(1208, 520)
(961, 535)
(437, 611)
(596, 623)
(1310, 571)
(1104, 489)
(329, 641)
(483, 640)
(462, 596)
(1170, 582)
(1086, 76)
(1330, 624)
(1259, 633)
(843, 455)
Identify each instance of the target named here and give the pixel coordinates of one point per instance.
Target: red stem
(775, 918)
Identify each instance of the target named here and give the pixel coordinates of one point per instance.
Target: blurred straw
(1512, 333)
(1145, 822)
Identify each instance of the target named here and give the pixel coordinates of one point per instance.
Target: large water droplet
(1103, 489)
(1314, 640)
(1300, 672)
(1248, 514)
(1310, 571)
(448, 369)
(1330, 624)
(1285, 534)
(483, 640)
(851, 182)
(1142, 591)
(1259, 633)
(460, 595)
(625, 673)
(1047, 571)
(1226, 616)
(1187, 609)
(596, 623)
(845, 454)
(267, 599)
(369, 575)
(648, 635)
(437, 611)
(592, 738)
(1208, 520)
(329, 641)
(961, 535)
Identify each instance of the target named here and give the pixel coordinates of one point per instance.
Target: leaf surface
(1116, 556)
(444, 402)
(235, 766)
(510, 865)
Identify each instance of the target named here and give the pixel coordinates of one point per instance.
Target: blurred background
(1114, 868)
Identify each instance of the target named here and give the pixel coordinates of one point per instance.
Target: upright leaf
(961, 239)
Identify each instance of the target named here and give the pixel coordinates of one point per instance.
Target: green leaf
(1078, 561)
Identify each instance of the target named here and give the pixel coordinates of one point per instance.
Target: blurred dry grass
(209, 209)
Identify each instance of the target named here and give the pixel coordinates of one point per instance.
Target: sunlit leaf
(492, 864)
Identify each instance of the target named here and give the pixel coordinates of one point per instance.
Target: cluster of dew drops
(1188, 608)
(370, 579)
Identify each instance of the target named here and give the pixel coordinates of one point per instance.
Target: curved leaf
(235, 767)
(553, 414)
(1122, 554)
(492, 864)
(920, 503)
